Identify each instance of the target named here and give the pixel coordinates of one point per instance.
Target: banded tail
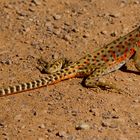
(48, 80)
(24, 87)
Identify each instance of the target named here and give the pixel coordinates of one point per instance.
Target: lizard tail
(48, 80)
(24, 86)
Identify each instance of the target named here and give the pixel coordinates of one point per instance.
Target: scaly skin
(93, 66)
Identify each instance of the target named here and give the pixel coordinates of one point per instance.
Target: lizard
(91, 67)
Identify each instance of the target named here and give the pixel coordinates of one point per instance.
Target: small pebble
(109, 123)
(23, 126)
(82, 126)
(62, 134)
(57, 17)
(137, 123)
(123, 3)
(137, 101)
(50, 130)
(104, 32)
(2, 125)
(136, 2)
(8, 62)
(57, 32)
(21, 13)
(36, 2)
(115, 15)
(94, 112)
(67, 37)
(55, 56)
(31, 9)
(42, 126)
(86, 35)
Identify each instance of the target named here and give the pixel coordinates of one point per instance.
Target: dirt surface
(52, 29)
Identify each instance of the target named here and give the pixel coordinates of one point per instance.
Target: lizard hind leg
(101, 82)
(54, 66)
(98, 79)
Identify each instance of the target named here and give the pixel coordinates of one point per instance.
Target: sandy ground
(52, 29)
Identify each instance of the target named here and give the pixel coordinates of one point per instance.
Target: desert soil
(52, 29)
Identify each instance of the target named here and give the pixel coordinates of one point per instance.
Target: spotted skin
(92, 67)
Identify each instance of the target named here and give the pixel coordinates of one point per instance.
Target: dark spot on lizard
(17, 87)
(11, 89)
(28, 85)
(33, 84)
(102, 51)
(6, 90)
(45, 80)
(56, 78)
(23, 86)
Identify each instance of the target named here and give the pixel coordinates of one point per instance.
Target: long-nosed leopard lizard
(93, 66)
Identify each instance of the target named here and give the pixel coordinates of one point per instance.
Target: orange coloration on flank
(138, 43)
